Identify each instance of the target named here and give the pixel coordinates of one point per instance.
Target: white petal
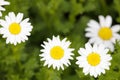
(108, 21)
(5, 3)
(12, 17)
(0, 13)
(115, 28)
(88, 47)
(117, 36)
(102, 21)
(93, 24)
(90, 34)
(19, 17)
(95, 47)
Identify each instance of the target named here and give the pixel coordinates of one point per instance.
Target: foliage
(67, 18)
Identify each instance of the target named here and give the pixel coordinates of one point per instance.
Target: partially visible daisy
(15, 29)
(103, 32)
(94, 60)
(2, 3)
(56, 53)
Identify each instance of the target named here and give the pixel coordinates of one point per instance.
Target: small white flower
(56, 53)
(2, 3)
(103, 32)
(14, 29)
(94, 60)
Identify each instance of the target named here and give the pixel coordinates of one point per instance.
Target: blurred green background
(67, 18)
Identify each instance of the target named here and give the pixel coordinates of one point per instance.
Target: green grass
(67, 18)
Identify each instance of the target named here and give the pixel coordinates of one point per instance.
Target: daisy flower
(103, 32)
(15, 29)
(56, 53)
(94, 60)
(2, 3)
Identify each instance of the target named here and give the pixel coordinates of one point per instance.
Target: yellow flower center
(105, 33)
(15, 28)
(57, 52)
(93, 59)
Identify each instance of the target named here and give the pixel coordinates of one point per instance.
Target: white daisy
(103, 32)
(56, 53)
(2, 3)
(14, 29)
(94, 60)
